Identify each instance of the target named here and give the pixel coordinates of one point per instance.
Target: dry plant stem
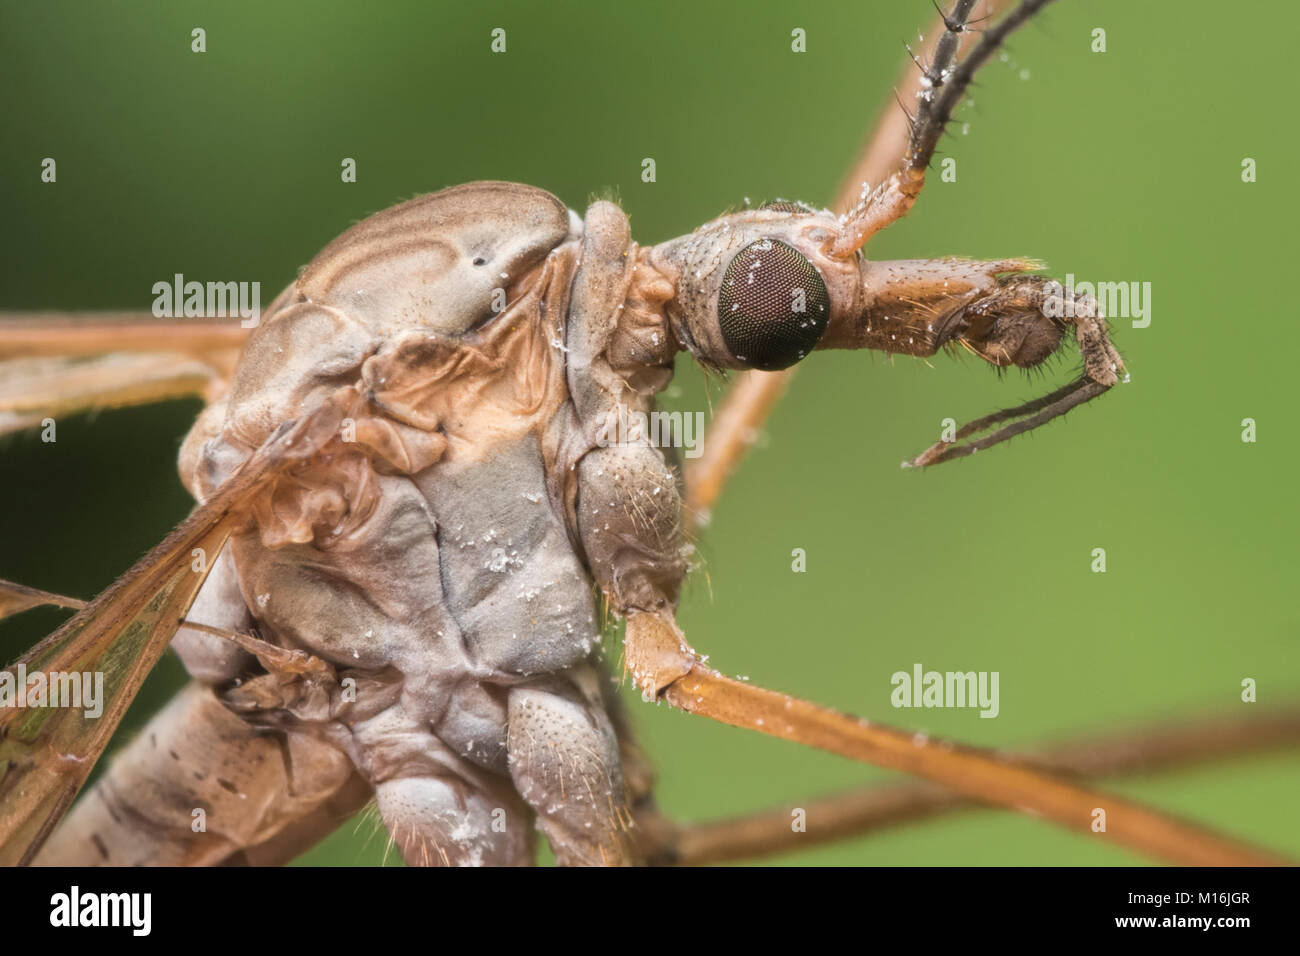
(867, 810)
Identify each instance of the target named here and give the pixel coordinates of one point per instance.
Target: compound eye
(773, 306)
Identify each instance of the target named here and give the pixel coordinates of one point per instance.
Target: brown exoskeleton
(405, 499)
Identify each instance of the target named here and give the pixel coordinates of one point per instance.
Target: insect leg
(653, 828)
(444, 821)
(43, 334)
(867, 810)
(564, 760)
(732, 430)
(33, 390)
(664, 665)
(55, 364)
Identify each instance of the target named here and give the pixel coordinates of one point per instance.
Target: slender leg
(32, 390)
(564, 760)
(34, 334)
(733, 429)
(870, 809)
(55, 364)
(439, 808)
(664, 665)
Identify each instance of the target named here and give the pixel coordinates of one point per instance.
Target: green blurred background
(1122, 165)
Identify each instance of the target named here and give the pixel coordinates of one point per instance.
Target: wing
(15, 598)
(46, 753)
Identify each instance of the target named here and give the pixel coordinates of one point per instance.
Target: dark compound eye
(773, 306)
(781, 205)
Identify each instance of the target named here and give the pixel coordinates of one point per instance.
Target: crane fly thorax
(642, 338)
(488, 386)
(419, 392)
(426, 543)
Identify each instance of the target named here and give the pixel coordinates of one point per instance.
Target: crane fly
(410, 523)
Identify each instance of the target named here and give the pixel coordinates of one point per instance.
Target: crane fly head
(762, 288)
(758, 288)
